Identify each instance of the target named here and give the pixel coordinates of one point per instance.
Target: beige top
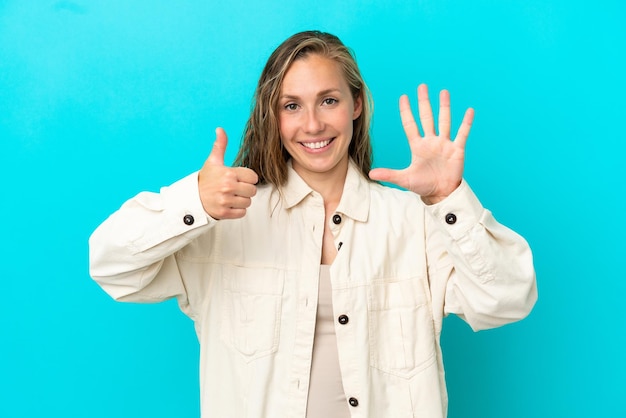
(326, 395)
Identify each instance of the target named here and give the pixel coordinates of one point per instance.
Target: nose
(313, 122)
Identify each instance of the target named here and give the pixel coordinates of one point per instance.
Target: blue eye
(291, 106)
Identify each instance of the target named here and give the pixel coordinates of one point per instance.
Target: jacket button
(353, 402)
(450, 218)
(336, 219)
(343, 319)
(188, 220)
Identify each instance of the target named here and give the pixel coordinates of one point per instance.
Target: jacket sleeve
(478, 269)
(132, 253)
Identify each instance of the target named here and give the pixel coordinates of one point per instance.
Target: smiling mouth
(317, 145)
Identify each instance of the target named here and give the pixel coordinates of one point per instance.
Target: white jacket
(250, 285)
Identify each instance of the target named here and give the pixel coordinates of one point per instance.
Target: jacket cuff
(459, 212)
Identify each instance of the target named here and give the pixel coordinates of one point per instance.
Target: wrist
(441, 194)
(431, 200)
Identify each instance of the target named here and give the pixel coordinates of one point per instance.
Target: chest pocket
(401, 330)
(252, 304)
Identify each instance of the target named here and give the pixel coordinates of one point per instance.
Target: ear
(358, 107)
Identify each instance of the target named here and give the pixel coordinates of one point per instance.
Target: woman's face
(316, 111)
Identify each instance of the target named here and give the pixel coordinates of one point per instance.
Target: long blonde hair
(261, 149)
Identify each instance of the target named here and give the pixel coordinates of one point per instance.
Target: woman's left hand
(436, 168)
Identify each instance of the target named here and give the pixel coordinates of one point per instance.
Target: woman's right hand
(225, 191)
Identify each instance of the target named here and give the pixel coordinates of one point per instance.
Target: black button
(450, 218)
(343, 319)
(336, 219)
(353, 402)
(188, 220)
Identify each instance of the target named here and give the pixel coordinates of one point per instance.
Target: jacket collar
(355, 199)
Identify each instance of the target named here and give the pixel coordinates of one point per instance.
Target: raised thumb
(219, 148)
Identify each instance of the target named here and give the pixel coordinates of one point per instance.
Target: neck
(328, 184)
(331, 189)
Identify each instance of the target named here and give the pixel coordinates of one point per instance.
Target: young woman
(315, 290)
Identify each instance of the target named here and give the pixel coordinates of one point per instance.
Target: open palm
(436, 168)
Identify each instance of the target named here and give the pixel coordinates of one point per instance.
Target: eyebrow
(321, 93)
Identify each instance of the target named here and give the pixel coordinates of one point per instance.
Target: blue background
(102, 99)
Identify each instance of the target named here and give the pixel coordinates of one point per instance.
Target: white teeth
(316, 145)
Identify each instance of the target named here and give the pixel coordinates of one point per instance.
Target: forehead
(313, 73)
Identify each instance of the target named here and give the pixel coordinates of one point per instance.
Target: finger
(232, 214)
(238, 202)
(425, 111)
(444, 114)
(230, 207)
(387, 175)
(244, 190)
(464, 129)
(246, 175)
(219, 148)
(408, 121)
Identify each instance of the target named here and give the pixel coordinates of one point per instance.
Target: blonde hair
(261, 149)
